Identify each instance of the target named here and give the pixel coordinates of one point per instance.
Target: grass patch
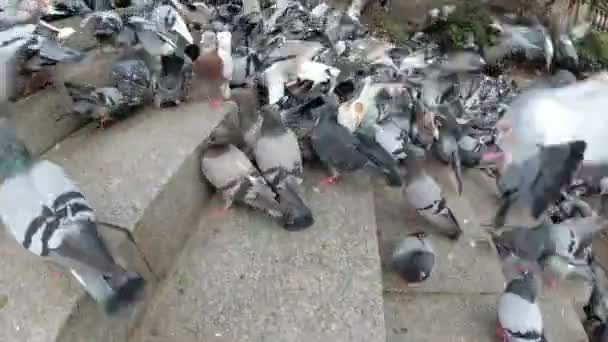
(594, 47)
(469, 17)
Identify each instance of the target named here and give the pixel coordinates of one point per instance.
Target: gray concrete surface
(243, 278)
(470, 318)
(145, 168)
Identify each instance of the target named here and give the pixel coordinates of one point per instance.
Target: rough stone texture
(440, 317)
(36, 116)
(243, 278)
(460, 267)
(470, 318)
(561, 322)
(143, 174)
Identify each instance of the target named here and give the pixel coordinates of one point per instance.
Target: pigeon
(12, 43)
(447, 147)
(557, 268)
(533, 42)
(567, 240)
(519, 315)
(229, 170)
(104, 104)
(34, 55)
(538, 181)
(46, 213)
(414, 258)
(596, 309)
(277, 155)
(422, 193)
(342, 151)
(294, 61)
(209, 68)
(106, 27)
(131, 79)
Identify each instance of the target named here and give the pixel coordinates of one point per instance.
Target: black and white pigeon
(343, 151)
(278, 156)
(519, 315)
(422, 193)
(230, 171)
(414, 258)
(46, 213)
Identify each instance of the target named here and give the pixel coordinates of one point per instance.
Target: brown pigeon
(209, 67)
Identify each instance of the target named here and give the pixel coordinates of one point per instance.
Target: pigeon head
(525, 286)
(414, 267)
(132, 78)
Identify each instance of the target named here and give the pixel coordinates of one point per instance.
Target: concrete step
(460, 267)
(36, 116)
(471, 318)
(243, 278)
(142, 177)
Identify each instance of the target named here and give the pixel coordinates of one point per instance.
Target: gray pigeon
(519, 315)
(48, 215)
(538, 181)
(596, 309)
(533, 42)
(447, 147)
(131, 80)
(33, 54)
(422, 193)
(105, 26)
(567, 240)
(414, 258)
(104, 104)
(278, 157)
(230, 171)
(13, 41)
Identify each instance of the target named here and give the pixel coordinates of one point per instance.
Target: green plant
(469, 17)
(594, 47)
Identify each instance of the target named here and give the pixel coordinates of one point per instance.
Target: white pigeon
(224, 44)
(519, 316)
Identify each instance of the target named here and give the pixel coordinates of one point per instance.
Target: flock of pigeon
(314, 86)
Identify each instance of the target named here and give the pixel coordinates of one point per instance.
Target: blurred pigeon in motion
(15, 38)
(447, 147)
(35, 54)
(229, 170)
(519, 315)
(342, 151)
(414, 258)
(131, 79)
(209, 67)
(422, 193)
(106, 27)
(278, 157)
(596, 309)
(48, 215)
(532, 42)
(566, 240)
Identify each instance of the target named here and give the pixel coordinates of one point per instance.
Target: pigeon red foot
(329, 180)
(215, 102)
(501, 334)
